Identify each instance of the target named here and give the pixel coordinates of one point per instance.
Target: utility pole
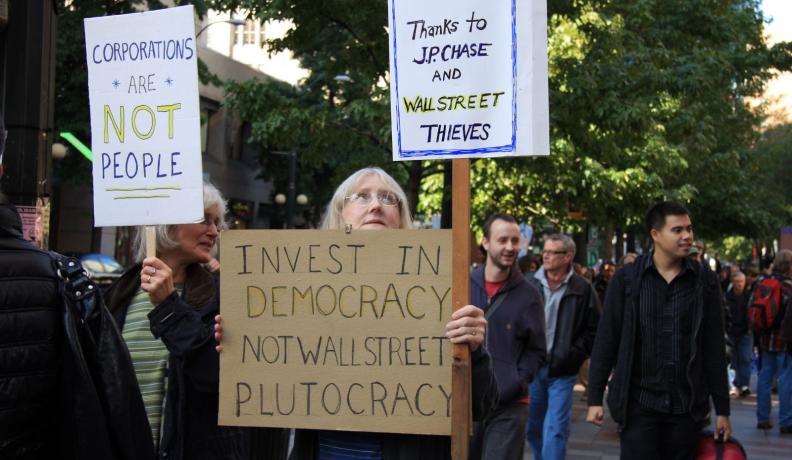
(27, 88)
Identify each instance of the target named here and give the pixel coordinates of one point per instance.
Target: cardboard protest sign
(145, 119)
(468, 78)
(328, 330)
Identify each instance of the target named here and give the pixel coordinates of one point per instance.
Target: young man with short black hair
(661, 334)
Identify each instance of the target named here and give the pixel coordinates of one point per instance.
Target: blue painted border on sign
(501, 148)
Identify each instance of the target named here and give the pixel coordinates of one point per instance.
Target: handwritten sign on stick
(145, 120)
(468, 78)
(329, 330)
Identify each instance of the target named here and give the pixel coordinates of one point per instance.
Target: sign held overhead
(145, 119)
(468, 78)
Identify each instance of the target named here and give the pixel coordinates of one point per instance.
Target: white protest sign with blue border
(468, 78)
(145, 118)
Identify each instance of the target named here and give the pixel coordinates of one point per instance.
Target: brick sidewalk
(589, 442)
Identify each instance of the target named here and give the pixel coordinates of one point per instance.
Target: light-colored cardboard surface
(468, 78)
(328, 330)
(145, 118)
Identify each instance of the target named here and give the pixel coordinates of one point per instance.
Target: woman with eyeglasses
(165, 308)
(370, 199)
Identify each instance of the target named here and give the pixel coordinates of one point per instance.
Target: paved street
(589, 442)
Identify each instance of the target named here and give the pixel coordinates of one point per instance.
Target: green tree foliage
(338, 119)
(71, 73)
(647, 102)
(736, 249)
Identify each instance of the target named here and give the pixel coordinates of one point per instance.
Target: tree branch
(380, 71)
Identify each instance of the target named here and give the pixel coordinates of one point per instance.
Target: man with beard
(571, 311)
(661, 335)
(515, 338)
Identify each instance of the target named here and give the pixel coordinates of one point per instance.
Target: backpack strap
(494, 305)
(76, 286)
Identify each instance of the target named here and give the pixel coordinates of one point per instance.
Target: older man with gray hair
(571, 307)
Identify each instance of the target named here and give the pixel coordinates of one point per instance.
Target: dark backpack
(766, 309)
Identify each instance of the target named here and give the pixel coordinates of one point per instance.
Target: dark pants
(651, 435)
(501, 436)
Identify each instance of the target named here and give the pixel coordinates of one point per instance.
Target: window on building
(250, 33)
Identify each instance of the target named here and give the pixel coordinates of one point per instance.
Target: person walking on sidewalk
(571, 308)
(662, 336)
(776, 360)
(740, 334)
(515, 339)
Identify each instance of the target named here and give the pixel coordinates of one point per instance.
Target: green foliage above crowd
(648, 101)
(72, 113)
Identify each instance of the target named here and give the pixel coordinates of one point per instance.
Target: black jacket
(515, 332)
(65, 372)
(185, 325)
(576, 326)
(30, 345)
(737, 309)
(614, 346)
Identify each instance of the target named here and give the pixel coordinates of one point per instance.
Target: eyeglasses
(209, 220)
(553, 253)
(364, 198)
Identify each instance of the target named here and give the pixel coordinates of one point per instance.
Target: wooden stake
(151, 242)
(461, 423)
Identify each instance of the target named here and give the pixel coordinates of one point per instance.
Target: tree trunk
(581, 240)
(607, 242)
(446, 209)
(619, 242)
(631, 240)
(414, 185)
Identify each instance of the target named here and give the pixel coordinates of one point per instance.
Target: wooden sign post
(468, 80)
(461, 423)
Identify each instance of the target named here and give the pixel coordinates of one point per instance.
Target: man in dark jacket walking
(661, 334)
(515, 338)
(30, 338)
(571, 309)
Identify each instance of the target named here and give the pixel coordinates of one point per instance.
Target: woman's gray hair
(165, 240)
(332, 218)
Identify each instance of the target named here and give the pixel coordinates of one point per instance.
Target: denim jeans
(741, 360)
(549, 417)
(772, 363)
(499, 436)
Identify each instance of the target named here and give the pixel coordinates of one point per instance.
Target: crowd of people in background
(655, 328)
